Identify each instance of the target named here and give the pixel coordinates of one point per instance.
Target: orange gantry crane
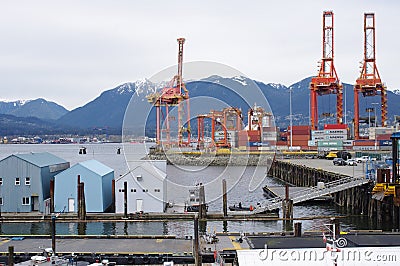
(174, 94)
(327, 81)
(224, 124)
(369, 83)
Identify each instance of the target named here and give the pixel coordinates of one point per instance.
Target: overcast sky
(71, 51)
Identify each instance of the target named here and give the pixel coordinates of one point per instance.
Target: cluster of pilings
(356, 200)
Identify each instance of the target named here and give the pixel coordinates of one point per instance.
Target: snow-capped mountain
(39, 108)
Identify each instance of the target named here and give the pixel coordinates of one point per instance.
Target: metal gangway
(312, 192)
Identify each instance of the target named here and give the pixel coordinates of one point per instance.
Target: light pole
(290, 117)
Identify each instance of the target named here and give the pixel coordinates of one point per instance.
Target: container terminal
(368, 188)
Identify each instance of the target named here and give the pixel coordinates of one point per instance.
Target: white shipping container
(336, 132)
(321, 137)
(347, 143)
(317, 132)
(312, 143)
(333, 137)
(364, 148)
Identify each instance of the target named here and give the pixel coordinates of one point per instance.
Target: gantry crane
(327, 81)
(369, 83)
(229, 119)
(174, 94)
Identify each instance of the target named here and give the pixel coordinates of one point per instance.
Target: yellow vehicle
(331, 155)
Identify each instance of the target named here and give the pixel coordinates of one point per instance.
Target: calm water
(180, 177)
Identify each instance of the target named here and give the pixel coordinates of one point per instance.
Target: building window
(1, 181)
(27, 181)
(133, 190)
(1, 201)
(17, 181)
(157, 190)
(25, 201)
(145, 190)
(121, 190)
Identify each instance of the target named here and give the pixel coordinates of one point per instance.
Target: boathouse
(25, 181)
(143, 188)
(97, 179)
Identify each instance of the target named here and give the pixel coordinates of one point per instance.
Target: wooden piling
(224, 198)
(202, 207)
(126, 199)
(10, 255)
(51, 196)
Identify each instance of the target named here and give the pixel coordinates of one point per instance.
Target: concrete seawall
(209, 159)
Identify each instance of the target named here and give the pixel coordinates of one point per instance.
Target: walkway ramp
(313, 192)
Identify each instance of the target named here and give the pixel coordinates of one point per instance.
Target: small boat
(240, 208)
(193, 204)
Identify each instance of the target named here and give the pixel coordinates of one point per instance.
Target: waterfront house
(97, 179)
(25, 181)
(143, 187)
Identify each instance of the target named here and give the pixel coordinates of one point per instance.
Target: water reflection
(184, 228)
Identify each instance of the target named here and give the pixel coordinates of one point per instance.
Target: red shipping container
(297, 143)
(253, 132)
(335, 126)
(300, 127)
(300, 132)
(300, 137)
(255, 138)
(281, 143)
(269, 129)
(383, 137)
(364, 143)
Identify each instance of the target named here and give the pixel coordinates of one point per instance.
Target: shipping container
(347, 143)
(306, 127)
(300, 137)
(330, 143)
(257, 144)
(333, 137)
(299, 132)
(336, 132)
(255, 138)
(362, 142)
(317, 132)
(383, 137)
(317, 137)
(364, 148)
(312, 143)
(385, 142)
(298, 143)
(269, 129)
(281, 143)
(335, 126)
(253, 132)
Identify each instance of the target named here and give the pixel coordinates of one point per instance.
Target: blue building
(25, 181)
(97, 178)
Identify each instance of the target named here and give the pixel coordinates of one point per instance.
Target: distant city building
(97, 179)
(25, 181)
(146, 187)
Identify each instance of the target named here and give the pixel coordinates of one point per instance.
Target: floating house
(25, 181)
(143, 188)
(97, 179)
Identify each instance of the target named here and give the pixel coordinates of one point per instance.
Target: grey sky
(71, 51)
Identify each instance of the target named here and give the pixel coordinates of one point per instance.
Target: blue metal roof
(41, 159)
(96, 167)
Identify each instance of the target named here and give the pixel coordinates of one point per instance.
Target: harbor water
(179, 179)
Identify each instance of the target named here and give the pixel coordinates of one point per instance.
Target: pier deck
(327, 165)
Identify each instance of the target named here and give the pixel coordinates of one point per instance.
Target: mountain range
(106, 112)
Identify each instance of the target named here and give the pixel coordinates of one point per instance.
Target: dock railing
(313, 192)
